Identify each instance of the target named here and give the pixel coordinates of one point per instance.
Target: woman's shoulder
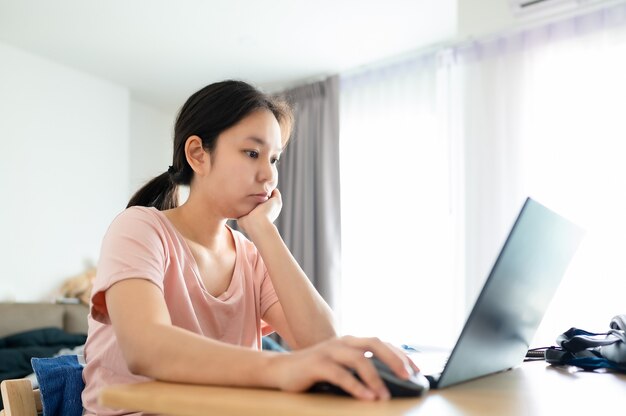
(137, 218)
(138, 228)
(138, 212)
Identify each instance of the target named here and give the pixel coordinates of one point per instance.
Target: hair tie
(171, 170)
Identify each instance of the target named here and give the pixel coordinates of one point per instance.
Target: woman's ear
(197, 157)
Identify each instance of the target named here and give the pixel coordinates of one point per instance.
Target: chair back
(19, 398)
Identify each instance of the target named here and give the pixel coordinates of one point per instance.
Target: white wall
(151, 143)
(64, 171)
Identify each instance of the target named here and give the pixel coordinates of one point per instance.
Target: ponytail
(161, 193)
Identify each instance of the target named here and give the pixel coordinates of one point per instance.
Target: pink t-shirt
(142, 243)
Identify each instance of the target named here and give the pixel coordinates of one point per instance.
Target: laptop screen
(515, 295)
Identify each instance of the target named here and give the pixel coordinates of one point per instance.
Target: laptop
(514, 298)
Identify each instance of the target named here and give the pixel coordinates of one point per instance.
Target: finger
(354, 359)
(403, 355)
(344, 379)
(413, 365)
(370, 377)
(397, 363)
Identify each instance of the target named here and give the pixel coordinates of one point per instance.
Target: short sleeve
(268, 294)
(134, 246)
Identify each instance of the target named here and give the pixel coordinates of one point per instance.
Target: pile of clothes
(17, 350)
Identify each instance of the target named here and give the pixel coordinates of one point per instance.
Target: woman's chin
(236, 214)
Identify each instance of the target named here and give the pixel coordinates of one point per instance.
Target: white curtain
(543, 112)
(439, 152)
(399, 219)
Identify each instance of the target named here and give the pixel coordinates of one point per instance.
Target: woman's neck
(200, 226)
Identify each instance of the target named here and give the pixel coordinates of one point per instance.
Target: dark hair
(206, 114)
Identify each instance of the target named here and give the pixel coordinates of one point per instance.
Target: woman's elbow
(139, 360)
(138, 365)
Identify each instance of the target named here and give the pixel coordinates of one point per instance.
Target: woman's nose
(268, 172)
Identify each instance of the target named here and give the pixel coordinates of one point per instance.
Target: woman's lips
(260, 197)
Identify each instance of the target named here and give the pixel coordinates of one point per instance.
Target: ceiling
(163, 50)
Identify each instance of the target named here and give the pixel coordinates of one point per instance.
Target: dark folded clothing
(43, 337)
(15, 362)
(17, 350)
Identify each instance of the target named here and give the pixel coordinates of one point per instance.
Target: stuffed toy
(79, 287)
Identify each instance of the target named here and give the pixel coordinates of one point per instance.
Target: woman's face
(243, 167)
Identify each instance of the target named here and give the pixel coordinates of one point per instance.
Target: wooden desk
(532, 389)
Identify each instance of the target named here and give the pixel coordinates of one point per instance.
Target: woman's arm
(153, 347)
(301, 317)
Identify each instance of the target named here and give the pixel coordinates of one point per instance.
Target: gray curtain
(309, 183)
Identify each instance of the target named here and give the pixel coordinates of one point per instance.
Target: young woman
(180, 296)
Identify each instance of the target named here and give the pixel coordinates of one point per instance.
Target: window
(398, 220)
(439, 153)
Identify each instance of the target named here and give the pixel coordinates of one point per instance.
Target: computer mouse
(415, 386)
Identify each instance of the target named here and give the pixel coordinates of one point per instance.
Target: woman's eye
(253, 154)
(275, 161)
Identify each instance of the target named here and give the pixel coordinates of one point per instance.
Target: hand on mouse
(331, 360)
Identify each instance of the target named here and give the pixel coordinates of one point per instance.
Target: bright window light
(397, 226)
